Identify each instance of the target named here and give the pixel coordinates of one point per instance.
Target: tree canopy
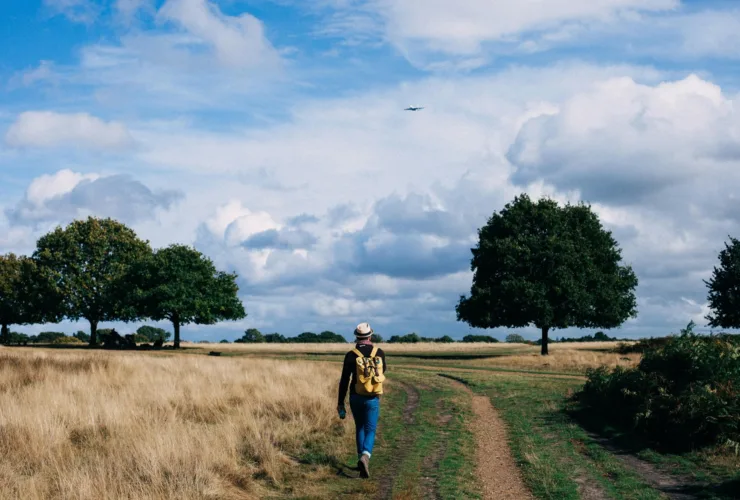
(180, 284)
(25, 294)
(537, 263)
(89, 260)
(251, 336)
(724, 288)
(152, 333)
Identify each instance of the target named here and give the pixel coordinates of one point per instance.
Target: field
(259, 421)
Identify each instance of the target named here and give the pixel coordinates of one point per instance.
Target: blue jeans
(365, 411)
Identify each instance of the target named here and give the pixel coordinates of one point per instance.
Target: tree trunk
(5, 335)
(93, 332)
(176, 326)
(545, 329)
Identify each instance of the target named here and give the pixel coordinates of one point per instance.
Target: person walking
(363, 374)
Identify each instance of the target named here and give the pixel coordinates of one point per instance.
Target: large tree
(26, 295)
(89, 260)
(179, 284)
(724, 288)
(551, 266)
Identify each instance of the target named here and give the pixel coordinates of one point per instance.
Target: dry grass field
(399, 348)
(562, 360)
(81, 425)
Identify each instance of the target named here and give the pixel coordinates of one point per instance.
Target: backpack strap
(375, 351)
(357, 351)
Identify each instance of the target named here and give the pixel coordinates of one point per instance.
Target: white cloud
(601, 141)
(237, 40)
(44, 129)
(79, 11)
(441, 35)
(129, 8)
(43, 72)
(61, 197)
(48, 186)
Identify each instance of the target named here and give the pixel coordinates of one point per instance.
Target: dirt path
(495, 467)
(385, 486)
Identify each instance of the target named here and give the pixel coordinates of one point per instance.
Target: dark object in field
(113, 340)
(158, 343)
(145, 346)
(214, 353)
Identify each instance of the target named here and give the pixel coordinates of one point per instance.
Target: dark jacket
(349, 370)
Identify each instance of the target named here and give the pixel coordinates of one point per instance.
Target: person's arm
(385, 364)
(344, 380)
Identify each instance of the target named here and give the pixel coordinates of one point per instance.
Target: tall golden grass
(132, 426)
(563, 360)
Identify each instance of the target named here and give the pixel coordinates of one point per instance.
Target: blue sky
(271, 135)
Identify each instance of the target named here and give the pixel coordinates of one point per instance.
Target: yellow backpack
(369, 377)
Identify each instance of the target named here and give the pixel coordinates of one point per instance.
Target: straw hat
(363, 331)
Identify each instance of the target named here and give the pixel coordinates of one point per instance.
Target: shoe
(364, 466)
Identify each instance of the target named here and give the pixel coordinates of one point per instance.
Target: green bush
(479, 338)
(67, 340)
(684, 394)
(411, 338)
(515, 338)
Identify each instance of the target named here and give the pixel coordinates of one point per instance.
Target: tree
(537, 263)
(25, 295)
(82, 336)
(375, 338)
(275, 338)
(152, 333)
(409, 338)
(251, 336)
(724, 288)
(180, 284)
(89, 261)
(224, 341)
(328, 337)
(446, 339)
(515, 338)
(305, 338)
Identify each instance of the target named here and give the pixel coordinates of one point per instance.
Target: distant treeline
(254, 336)
(145, 333)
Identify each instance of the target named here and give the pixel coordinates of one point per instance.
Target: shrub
(67, 340)
(84, 337)
(479, 338)
(685, 393)
(48, 337)
(515, 338)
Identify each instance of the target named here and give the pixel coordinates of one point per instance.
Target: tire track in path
(385, 485)
(495, 467)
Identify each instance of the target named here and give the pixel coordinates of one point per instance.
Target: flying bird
(414, 108)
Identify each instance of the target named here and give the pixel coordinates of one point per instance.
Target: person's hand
(342, 411)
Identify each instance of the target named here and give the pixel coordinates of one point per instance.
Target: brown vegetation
(132, 426)
(563, 359)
